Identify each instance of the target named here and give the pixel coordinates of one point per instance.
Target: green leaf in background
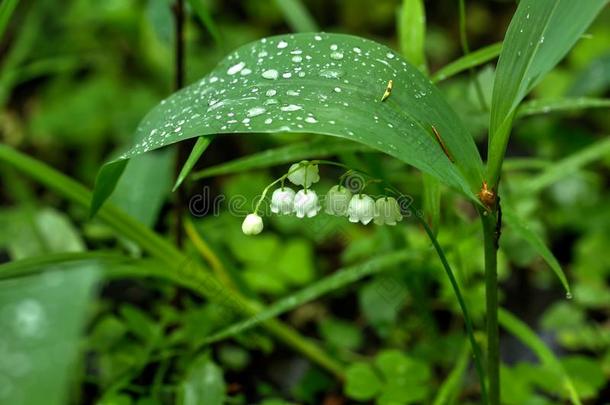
(295, 152)
(145, 185)
(540, 34)
(543, 106)
(466, 62)
(41, 318)
(521, 229)
(362, 382)
(297, 16)
(204, 384)
(521, 331)
(327, 84)
(6, 10)
(412, 29)
(569, 165)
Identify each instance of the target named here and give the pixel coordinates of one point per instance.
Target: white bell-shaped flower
(361, 209)
(387, 211)
(252, 225)
(337, 201)
(303, 174)
(282, 201)
(306, 203)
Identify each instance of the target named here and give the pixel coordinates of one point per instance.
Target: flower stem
(490, 236)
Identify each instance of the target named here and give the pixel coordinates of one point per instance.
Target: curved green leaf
(327, 84)
(466, 62)
(521, 229)
(282, 155)
(523, 332)
(539, 36)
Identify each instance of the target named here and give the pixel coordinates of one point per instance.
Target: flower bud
(282, 201)
(337, 200)
(252, 225)
(306, 203)
(361, 209)
(302, 172)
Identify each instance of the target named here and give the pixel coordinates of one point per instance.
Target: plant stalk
(491, 236)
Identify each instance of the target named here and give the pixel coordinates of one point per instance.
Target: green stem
(181, 269)
(467, 320)
(490, 236)
(466, 51)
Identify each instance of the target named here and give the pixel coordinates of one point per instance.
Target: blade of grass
(467, 62)
(412, 30)
(297, 15)
(200, 147)
(567, 166)
(202, 12)
(7, 7)
(534, 107)
(281, 155)
(521, 331)
(466, 51)
(448, 390)
(521, 229)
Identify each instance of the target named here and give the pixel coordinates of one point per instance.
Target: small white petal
(302, 172)
(282, 201)
(337, 201)
(387, 211)
(252, 225)
(361, 209)
(306, 203)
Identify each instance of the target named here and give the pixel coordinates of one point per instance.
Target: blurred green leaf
(256, 95)
(521, 228)
(521, 331)
(41, 325)
(542, 106)
(341, 334)
(145, 186)
(567, 166)
(297, 15)
(204, 384)
(7, 8)
(361, 382)
(539, 36)
(412, 29)
(466, 62)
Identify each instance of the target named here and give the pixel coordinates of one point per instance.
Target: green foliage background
(77, 76)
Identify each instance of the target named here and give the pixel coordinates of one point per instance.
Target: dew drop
(245, 72)
(270, 74)
(287, 75)
(337, 55)
(331, 73)
(268, 121)
(253, 112)
(292, 93)
(291, 107)
(311, 120)
(282, 44)
(317, 38)
(357, 50)
(271, 93)
(569, 295)
(390, 55)
(236, 68)
(338, 89)
(29, 317)
(297, 59)
(333, 47)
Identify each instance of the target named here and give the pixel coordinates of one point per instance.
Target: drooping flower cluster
(339, 201)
